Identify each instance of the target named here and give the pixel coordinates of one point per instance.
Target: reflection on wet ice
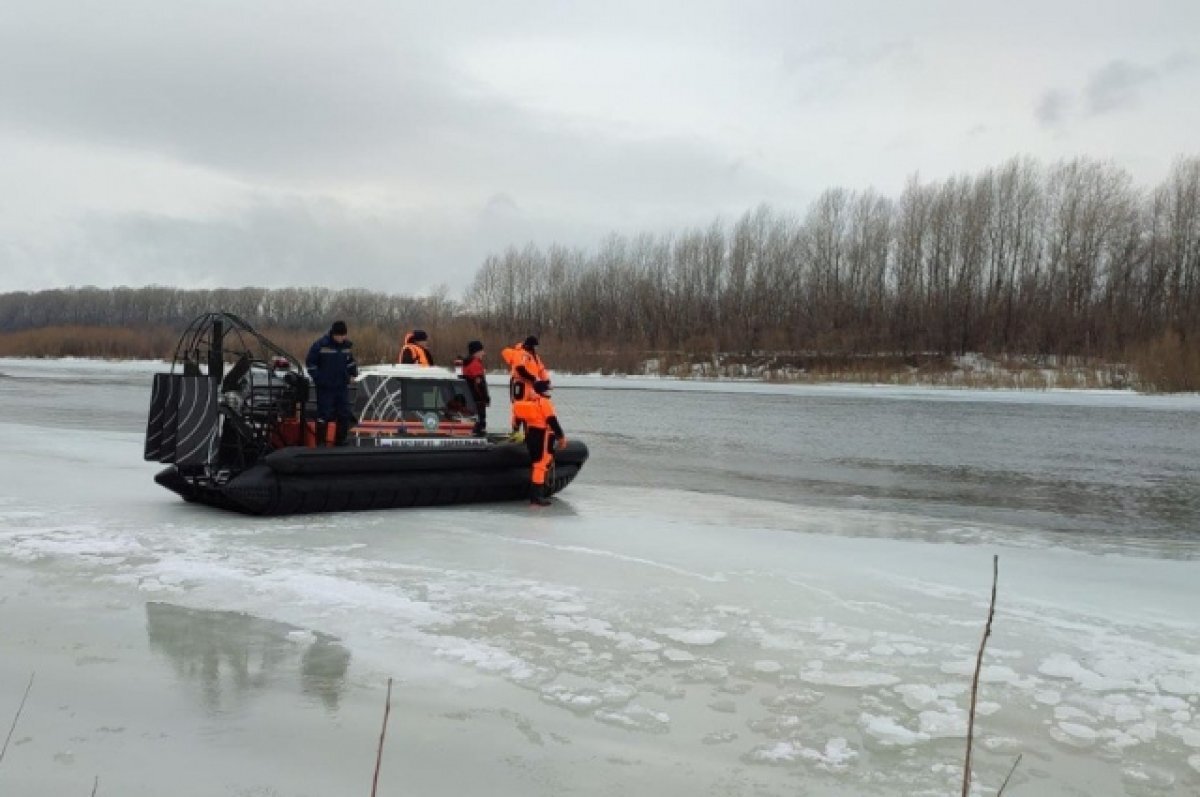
(231, 654)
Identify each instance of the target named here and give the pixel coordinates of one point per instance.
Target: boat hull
(301, 480)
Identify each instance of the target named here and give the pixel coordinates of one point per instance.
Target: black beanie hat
(418, 335)
(474, 346)
(338, 328)
(531, 341)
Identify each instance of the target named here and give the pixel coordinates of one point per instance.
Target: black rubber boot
(322, 432)
(340, 430)
(537, 495)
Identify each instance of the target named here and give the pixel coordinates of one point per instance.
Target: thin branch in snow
(387, 708)
(20, 708)
(987, 632)
(1011, 770)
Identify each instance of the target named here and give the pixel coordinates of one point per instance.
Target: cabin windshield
(382, 398)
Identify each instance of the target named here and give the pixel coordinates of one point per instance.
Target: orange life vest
(417, 353)
(517, 357)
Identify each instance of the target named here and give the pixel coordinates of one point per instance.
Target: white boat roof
(407, 371)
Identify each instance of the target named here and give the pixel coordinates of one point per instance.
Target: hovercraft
(235, 421)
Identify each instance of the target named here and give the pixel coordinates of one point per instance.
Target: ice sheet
(642, 639)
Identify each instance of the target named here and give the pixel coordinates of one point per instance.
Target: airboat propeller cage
(182, 428)
(185, 419)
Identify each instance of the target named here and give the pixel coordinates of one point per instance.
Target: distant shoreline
(1166, 366)
(1045, 379)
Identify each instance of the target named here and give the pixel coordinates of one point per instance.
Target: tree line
(1068, 259)
(277, 308)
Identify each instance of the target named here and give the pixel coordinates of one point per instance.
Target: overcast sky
(392, 145)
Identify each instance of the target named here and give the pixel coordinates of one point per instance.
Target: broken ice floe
(1074, 734)
(695, 637)
(835, 756)
(887, 732)
(719, 737)
(636, 718)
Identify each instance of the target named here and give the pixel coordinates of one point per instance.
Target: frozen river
(749, 590)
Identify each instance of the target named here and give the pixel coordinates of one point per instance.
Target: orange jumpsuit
(542, 436)
(525, 368)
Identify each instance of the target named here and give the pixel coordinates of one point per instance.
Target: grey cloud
(1116, 85)
(366, 105)
(387, 103)
(247, 107)
(1180, 60)
(1052, 108)
(312, 121)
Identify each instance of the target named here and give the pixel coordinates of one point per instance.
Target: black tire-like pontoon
(300, 480)
(241, 440)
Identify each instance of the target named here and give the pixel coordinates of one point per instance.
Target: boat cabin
(393, 400)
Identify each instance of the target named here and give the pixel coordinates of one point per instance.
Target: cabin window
(378, 399)
(449, 399)
(389, 399)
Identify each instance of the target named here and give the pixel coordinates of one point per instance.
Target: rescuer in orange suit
(543, 436)
(525, 368)
(415, 351)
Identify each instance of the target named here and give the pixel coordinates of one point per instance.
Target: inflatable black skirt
(301, 480)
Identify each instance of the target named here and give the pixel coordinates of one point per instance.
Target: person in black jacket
(331, 366)
(474, 371)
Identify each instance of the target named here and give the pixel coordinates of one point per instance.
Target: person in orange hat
(543, 436)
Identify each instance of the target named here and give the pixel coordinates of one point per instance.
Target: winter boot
(537, 495)
(322, 432)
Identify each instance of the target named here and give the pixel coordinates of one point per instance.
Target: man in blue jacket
(332, 368)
